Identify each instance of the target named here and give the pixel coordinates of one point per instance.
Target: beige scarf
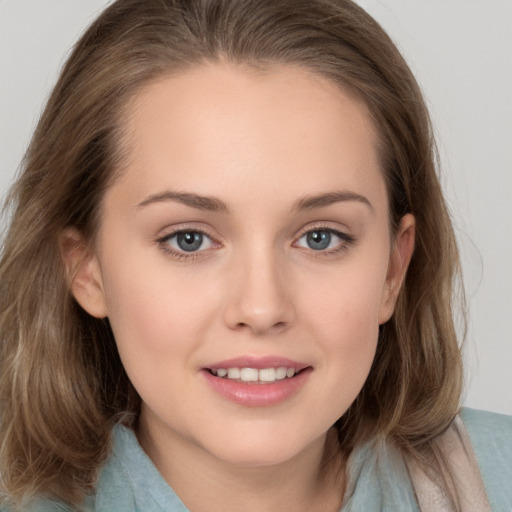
(467, 480)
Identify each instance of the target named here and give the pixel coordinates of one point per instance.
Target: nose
(260, 298)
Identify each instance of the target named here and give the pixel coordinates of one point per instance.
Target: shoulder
(116, 489)
(481, 423)
(130, 482)
(491, 438)
(39, 505)
(127, 482)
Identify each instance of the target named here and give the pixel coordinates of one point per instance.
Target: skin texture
(259, 142)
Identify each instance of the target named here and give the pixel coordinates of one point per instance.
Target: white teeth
(249, 375)
(255, 375)
(267, 375)
(233, 373)
(280, 373)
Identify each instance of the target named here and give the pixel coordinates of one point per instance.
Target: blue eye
(324, 239)
(189, 241)
(318, 240)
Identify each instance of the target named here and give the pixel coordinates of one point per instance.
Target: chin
(252, 459)
(253, 450)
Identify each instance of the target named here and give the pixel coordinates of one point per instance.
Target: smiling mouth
(255, 375)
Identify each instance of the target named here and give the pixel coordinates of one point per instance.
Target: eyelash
(346, 241)
(163, 242)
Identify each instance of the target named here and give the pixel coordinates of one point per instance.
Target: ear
(83, 271)
(401, 253)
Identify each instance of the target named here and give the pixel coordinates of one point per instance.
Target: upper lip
(258, 363)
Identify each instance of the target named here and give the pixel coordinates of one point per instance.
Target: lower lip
(256, 394)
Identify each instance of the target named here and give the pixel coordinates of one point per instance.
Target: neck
(312, 481)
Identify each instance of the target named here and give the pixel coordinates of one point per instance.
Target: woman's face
(248, 236)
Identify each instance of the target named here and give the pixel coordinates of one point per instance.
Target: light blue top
(378, 480)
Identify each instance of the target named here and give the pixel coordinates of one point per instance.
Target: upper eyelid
(169, 232)
(164, 239)
(180, 254)
(346, 239)
(322, 225)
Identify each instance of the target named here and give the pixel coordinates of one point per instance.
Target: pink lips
(257, 394)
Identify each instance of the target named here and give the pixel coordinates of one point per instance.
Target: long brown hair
(62, 385)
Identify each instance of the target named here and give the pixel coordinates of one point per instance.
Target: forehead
(284, 129)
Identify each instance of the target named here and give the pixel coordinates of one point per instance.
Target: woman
(230, 261)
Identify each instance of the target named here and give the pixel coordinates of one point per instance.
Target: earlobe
(83, 272)
(403, 248)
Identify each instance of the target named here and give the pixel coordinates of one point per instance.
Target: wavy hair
(62, 385)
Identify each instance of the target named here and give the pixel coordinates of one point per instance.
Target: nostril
(260, 328)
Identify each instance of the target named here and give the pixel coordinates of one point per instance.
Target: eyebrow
(207, 203)
(213, 204)
(329, 198)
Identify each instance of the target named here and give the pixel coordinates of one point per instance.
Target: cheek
(158, 320)
(348, 300)
(154, 311)
(343, 315)
(350, 338)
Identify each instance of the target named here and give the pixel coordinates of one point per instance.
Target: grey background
(461, 53)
